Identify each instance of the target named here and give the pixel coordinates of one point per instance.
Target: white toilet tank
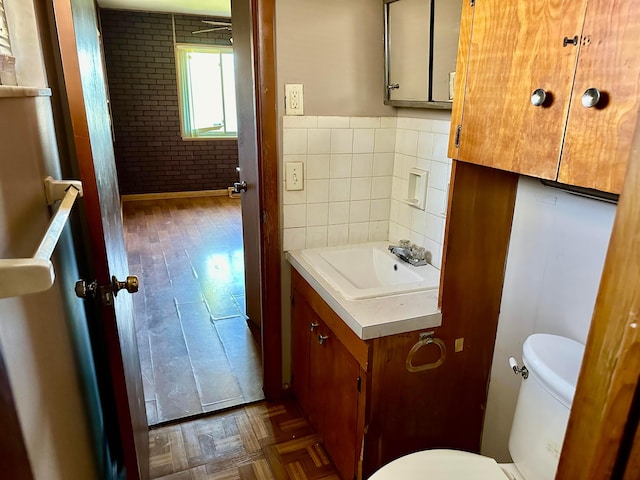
(543, 404)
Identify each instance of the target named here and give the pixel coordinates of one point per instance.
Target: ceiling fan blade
(207, 30)
(214, 22)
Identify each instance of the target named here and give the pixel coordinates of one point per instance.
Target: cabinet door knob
(538, 97)
(313, 326)
(322, 339)
(591, 97)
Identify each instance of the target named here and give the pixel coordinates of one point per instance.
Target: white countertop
(373, 317)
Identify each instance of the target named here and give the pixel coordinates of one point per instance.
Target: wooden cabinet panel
(320, 382)
(302, 317)
(598, 140)
(516, 48)
(325, 381)
(464, 44)
(339, 396)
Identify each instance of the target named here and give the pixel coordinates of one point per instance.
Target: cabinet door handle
(538, 97)
(393, 86)
(313, 326)
(591, 97)
(322, 339)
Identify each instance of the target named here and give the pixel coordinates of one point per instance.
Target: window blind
(7, 61)
(5, 45)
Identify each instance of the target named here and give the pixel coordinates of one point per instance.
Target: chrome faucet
(411, 253)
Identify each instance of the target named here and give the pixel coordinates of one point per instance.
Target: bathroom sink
(370, 270)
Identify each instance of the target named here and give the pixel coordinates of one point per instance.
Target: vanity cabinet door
(326, 381)
(598, 139)
(513, 49)
(302, 319)
(337, 375)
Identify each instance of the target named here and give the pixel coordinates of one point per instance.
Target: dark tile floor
(196, 351)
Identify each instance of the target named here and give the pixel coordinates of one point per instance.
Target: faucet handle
(418, 252)
(404, 243)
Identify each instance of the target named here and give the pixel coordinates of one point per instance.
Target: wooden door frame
(263, 28)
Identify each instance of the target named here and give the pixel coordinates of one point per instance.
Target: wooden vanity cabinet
(360, 397)
(508, 50)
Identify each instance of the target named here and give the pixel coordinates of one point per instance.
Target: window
(206, 86)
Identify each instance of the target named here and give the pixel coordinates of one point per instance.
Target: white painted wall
(555, 260)
(336, 49)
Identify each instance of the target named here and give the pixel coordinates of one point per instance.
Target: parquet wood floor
(261, 441)
(197, 353)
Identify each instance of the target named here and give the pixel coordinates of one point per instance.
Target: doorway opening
(196, 349)
(197, 352)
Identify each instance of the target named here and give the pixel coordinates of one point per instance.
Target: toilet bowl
(537, 431)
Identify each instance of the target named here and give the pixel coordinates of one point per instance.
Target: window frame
(181, 51)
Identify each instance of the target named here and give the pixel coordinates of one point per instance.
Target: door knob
(591, 97)
(538, 97)
(239, 187)
(130, 284)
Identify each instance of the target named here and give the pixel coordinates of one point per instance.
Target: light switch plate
(293, 99)
(294, 176)
(452, 84)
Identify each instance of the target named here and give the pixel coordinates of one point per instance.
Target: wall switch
(293, 99)
(459, 344)
(294, 175)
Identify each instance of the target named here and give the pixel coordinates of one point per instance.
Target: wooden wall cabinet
(508, 50)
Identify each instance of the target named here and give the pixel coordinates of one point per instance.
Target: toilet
(537, 431)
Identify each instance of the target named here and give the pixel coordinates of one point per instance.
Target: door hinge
(264, 217)
(293, 301)
(472, 3)
(457, 139)
(359, 383)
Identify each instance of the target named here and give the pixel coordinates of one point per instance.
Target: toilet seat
(441, 465)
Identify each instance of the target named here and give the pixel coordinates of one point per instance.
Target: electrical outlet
(293, 99)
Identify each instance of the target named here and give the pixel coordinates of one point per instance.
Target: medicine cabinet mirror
(421, 44)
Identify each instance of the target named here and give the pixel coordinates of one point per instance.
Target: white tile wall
(420, 143)
(356, 176)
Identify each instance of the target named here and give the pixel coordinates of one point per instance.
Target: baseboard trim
(168, 195)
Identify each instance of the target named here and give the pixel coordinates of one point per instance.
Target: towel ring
(426, 338)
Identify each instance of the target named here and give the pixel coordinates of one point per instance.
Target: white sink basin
(370, 270)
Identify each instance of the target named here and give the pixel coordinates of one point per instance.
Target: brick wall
(151, 156)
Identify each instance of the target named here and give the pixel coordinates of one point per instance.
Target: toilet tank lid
(555, 361)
